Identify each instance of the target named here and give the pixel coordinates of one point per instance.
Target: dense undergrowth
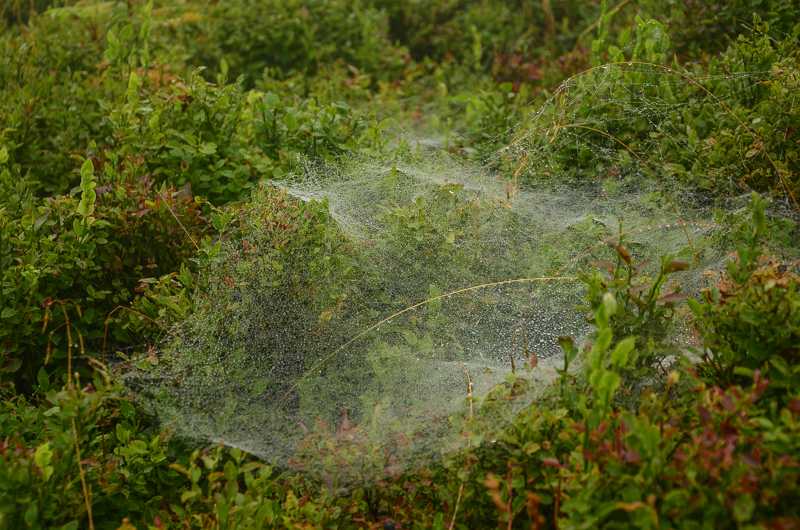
(132, 138)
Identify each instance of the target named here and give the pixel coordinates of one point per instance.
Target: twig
(179, 221)
(105, 333)
(458, 500)
(86, 496)
(469, 381)
(410, 308)
(589, 29)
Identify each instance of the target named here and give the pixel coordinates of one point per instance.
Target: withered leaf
(602, 264)
(672, 297)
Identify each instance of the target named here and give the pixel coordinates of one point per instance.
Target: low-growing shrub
(750, 320)
(67, 262)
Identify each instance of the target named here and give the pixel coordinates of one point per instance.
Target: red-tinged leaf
(628, 457)
(728, 403)
(794, 405)
(143, 212)
(602, 428)
(623, 254)
(179, 468)
(602, 264)
(89, 462)
(12, 365)
(566, 342)
(402, 440)
(676, 266)
(751, 460)
(551, 462)
(729, 433)
(785, 461)
(705, 415)
(578, 427)
(251, 466)
(643, 265)
(672, 297)
(760, 385)
(639, 288)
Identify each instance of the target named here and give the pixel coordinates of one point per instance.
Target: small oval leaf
(673, 297)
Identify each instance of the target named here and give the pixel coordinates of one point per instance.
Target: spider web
(460, 273)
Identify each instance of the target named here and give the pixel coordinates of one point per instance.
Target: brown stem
(86, 495)
(105, 333)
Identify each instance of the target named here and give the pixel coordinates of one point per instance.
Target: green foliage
(69, 260)
(700, 28)
(640, 309)
(115, 115)
(67, 435)
(750, 321)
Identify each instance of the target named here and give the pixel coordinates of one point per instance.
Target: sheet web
(433, 279)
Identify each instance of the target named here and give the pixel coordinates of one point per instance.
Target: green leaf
(122, 434)
(411, 337)
(42, 456)
(52, 412)
(619, 357)
(40, 221)
(43, 379)
(259, 387)
(733, 270)
(8, 312)
(451, 187)
(12, 365)
(604, 340)
(743, 508)
(128, 410)
(186, 495)
(3, 155)
(140, 447)
(566, 342)
(290, 120)
(696, 307)
(86, 172)
(31, 515)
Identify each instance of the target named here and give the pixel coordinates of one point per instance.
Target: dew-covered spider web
(355, 325)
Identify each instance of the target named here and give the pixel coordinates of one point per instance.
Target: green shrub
(71, 259)
(71, 442)
(750, 320)
(283, 38)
